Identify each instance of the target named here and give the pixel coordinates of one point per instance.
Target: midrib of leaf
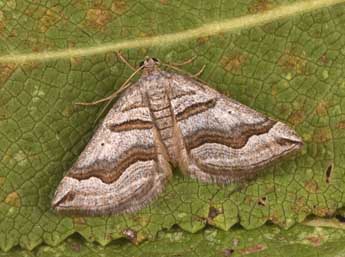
(209, 29)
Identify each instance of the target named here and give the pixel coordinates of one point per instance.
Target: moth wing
(121, 169)
(223, 140)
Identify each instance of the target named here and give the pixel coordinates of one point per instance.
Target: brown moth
(167, 120)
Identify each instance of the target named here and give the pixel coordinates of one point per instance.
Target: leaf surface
(266, 241)
(289, 68)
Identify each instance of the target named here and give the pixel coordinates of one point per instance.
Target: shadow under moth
(167, 120)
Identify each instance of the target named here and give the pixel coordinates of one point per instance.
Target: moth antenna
(124, 60)
(196, 75)
(190, 60)
(113, 95)
(186, 72)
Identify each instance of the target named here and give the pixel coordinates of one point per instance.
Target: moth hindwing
(164, 120)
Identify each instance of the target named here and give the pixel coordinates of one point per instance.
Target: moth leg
(108, 98)
(124, 60)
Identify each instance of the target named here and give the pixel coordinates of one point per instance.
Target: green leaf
(282, 60)
(266, 241)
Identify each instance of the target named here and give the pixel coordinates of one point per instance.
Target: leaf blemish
(324, 58)
(315, 240)
(321, 108)
(119, 7)
(228, 252)
(2, 24)
(6, 71)
(311, 186)
(260, 6)
(234, 62)
(322, 135)
(13, 199)
(214, 212)
(291, 62)
(341, 124)
(49, 19)
(98, 18)
(340, 218)
(253, 249)
(297, 117)
(131, 235)
(2, 180)
(262, 201)
(75, 247)
(329, 173)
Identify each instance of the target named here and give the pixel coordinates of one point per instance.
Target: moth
(167, 120)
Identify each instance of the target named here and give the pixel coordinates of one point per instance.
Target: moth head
(149, 63)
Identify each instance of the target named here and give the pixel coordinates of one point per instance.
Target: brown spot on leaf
(119, 7)
(13, 199)
(164, 1)
(311, 186)
(321, 108)
(322, 135)
(98, 18)
(315, 240)
(322, 211)
(6, 71)
(341, 124)
(202, 40)
(253, 249)
(324, 59)
(291, 62)
(300, 206)
(297, 117)
(260, 6)
(234, 62)
(49, 19)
